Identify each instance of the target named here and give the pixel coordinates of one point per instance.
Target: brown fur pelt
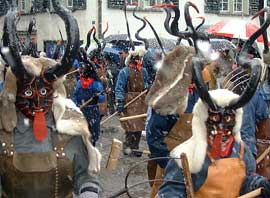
(168, 93)
(68, 121)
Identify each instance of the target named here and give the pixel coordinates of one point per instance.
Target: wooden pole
(263, 155)
(252, 194)
(133, 117)
(74, 71)
(114, 154)
(187, 176)
(126, 105)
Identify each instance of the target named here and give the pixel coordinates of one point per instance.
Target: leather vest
(225, 178)
(180, 132)
(134, 87)
(32, 175)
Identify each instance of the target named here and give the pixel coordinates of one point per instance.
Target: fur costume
(67, 120)
(196, 147)
(172, 82)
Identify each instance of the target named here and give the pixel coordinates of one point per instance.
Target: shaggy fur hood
(138, 52)
(69, 120)
(195, 147)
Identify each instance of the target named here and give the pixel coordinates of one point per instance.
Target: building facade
(99, 12)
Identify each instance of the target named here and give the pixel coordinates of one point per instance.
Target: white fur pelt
(68, 120)
(195, 147)
(137, 52)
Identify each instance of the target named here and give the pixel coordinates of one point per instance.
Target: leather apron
(135, 86)
(32, 175)
(224, 178)
(263, 142)
(180, 132)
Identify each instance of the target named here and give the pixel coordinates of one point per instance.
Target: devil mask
(35, 77)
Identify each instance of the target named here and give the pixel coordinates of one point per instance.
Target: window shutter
(212, 6)
(253, 6)
(118, 4)
(3, 7)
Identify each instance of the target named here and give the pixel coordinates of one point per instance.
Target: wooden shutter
(212, 6)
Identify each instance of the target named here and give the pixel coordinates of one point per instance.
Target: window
(132, 1)
(224, 5)
(70, 3)
(22, 5)
(238, 6)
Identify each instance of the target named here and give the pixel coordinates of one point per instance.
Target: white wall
(47, 24)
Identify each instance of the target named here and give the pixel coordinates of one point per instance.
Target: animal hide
(68, 120)
(169, 91)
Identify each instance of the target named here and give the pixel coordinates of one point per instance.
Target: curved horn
(201, 24)
(103, 34)
(252, 85)
(88, 38)
(10, 40)
(156, 35)
(197, 65)
(96, 40)
(128, 31)
(72, 47)
(138, 37)
(256, 34)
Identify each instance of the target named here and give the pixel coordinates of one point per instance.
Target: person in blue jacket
(131, 81)
(90, 87)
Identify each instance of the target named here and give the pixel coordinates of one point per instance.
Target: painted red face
(220, 136)
(34, 96)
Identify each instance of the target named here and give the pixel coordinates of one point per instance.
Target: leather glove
(266, 188)
(119, 106)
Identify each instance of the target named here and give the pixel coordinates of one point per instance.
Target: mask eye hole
(28, 92)
(228, 118)
(43, 91)
(214, 117)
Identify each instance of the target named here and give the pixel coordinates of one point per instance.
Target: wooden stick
(74, 71)
(263, 155)
(187, 176)
(126, 105)
(147, 152)
(133, 117)
(252, 194)
(114, 154)
(90, 99)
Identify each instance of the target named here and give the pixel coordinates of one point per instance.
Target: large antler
(72, 47)
(139, 30)
(10, 40)
(128, 30)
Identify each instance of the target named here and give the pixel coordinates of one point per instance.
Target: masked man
(219, 163)
(131, 81)
(90, 87)
(44, 147)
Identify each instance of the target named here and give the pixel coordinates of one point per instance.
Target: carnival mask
(219, 132)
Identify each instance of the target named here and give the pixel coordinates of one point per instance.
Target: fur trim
(138, 52)
(171, 82)
(195, 147)
(68, 121)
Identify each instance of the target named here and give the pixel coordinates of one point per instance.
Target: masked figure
(131, 81)
(90, 87)
(44, 144)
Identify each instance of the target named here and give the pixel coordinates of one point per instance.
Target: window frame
(23, 5)
(72, 3)
(235, 2)
(222, 8)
